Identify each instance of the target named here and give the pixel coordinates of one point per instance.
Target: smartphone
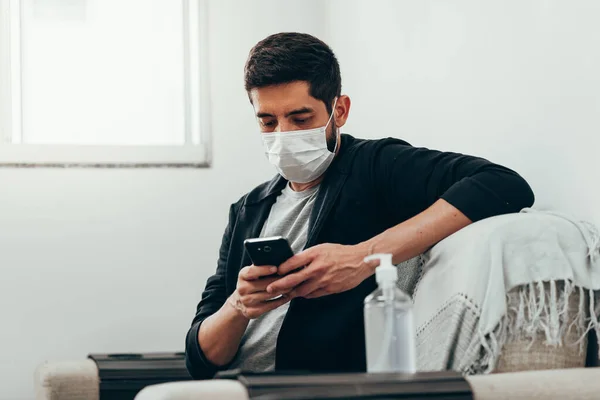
(268, 251)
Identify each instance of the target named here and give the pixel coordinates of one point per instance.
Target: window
(103, 83)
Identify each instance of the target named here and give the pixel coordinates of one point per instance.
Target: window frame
(195, 153)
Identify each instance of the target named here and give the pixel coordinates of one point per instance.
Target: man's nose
(284, 126)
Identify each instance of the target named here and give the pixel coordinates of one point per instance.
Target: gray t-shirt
(288, 218)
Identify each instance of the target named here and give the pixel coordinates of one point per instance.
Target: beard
(331, 136)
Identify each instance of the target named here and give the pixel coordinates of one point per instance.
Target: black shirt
(371, 185)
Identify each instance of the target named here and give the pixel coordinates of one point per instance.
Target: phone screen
(268, 251)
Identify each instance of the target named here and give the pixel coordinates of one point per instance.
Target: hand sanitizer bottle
(389, 326)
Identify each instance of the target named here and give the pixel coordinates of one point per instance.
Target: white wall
(515, 81)
(115, 260)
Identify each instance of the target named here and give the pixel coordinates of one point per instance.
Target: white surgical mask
(300, 156)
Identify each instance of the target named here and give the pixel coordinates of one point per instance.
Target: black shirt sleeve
(213, 298)
(411, 179)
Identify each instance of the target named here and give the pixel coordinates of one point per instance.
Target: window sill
(65, 156)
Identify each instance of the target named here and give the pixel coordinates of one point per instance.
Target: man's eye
(301, 120)
(268, 123)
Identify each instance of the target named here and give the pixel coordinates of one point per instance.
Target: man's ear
(341, 110)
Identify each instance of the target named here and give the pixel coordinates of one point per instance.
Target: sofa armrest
(574, 383)
(69, 380)
(558, 384)
(220, 389)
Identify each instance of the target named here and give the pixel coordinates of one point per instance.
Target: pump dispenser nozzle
(386, 274)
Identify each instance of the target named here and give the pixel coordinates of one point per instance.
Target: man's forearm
(332, 268)
(416, 235)
(221, 333)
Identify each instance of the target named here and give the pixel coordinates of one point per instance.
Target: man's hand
(328, 269)
(250, 297)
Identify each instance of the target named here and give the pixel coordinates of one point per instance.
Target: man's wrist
(364, 250)
(235, 308)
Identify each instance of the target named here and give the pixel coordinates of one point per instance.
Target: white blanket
(460, 302)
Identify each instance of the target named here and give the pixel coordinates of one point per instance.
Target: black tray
(303, 385)
(122, 376)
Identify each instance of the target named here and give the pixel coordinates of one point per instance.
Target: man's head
(293, 80)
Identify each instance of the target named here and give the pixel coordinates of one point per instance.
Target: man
(337, 199)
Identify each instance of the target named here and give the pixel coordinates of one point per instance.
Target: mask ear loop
(337, 134)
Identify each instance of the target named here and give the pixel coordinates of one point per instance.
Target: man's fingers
(317, 293)
(256, 299)
(266, 306)
(306, 288)
(260, 285)
(288, 282)
(273, 304)
(297, 261)
(253, 272)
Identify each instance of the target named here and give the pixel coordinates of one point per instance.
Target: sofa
(576, 383)
(526, 369)
(78, 381)
(530, 362)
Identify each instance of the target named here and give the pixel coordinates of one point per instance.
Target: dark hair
(290, 56)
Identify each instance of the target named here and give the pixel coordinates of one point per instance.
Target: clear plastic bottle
(389, 326)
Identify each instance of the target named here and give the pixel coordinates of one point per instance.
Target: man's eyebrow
(303, 110)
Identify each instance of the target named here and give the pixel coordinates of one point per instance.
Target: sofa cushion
(69, 380)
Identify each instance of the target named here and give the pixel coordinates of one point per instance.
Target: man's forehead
(283, 110)
(282, 99)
